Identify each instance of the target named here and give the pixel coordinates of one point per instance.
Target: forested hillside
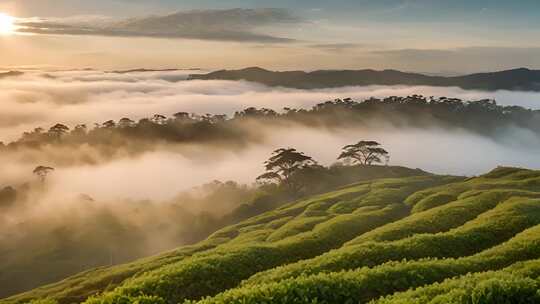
(419, 239)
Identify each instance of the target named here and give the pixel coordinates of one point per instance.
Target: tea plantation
(419, 239)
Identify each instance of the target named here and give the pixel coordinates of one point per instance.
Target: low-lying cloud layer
(435, 150)
(41, 99)
(227, 25)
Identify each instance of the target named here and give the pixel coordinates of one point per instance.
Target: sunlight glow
(7, 24)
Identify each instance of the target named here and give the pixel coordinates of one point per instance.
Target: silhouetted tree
(182, 117)
(35, 135)
(365, 153)
(109, 124)
(79, 130)
(159, 119)
(58, 130)
(42, 172)
(125, 122)
(8, 195)
(283, 164)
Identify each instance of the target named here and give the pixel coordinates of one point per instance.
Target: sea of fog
(41, 99)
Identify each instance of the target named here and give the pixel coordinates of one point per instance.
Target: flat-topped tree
(58, 130)
(159, 119)
(126, 123)
(282, 166)
(80, 130)
(365, 152)
(42, 172)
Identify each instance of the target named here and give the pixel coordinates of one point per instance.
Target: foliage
(365, 153)
(282, 167)
(483, 117)
(42, 172)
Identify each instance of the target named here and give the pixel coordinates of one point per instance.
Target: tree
(8, 196)
(36, 135)
(42, 172)
(182, 117)
(79, 130)
(58, 130)
(159, 119)
(282, 166)
(365, 153)
(109, 124)
(126, 122)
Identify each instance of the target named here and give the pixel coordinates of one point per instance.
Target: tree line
(485, 117)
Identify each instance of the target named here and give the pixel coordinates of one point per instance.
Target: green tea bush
(366, 284)
(490, 229)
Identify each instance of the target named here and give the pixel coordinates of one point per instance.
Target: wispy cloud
(337, 47)
(224, 25)
(466, 60)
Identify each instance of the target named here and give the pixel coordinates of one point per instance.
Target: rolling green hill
(419, 239)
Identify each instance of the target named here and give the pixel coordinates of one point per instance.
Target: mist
(40, 98)
(435, 150)
(168, 169)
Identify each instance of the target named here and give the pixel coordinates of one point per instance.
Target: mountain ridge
(519, 79)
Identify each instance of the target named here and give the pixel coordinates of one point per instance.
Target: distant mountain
(517, 80)
(10, 74)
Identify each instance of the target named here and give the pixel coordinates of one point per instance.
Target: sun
(7, 24)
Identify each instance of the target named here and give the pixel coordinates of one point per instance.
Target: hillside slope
(402, 240)
(516, 79)
(42, 256)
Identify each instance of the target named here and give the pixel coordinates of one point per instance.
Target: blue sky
(400, 10)
(421, 35)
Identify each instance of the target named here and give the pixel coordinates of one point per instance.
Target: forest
(483, 117)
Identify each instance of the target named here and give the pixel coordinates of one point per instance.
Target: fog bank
(72, 97)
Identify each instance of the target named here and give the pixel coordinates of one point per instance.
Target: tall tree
(109, 124)
(58, 130)
(159, 119)
(79, 130)
(282, 166)
(365, 152)
(42, 172)
(8, 196)
(126, 123)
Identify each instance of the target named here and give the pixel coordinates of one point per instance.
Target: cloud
(337, 47)
(223, 25)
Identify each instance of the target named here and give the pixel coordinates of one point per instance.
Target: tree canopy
(42, 172)
(482, 117)
(282, 166)
(365, 152)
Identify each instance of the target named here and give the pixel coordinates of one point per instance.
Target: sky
(430, 36)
